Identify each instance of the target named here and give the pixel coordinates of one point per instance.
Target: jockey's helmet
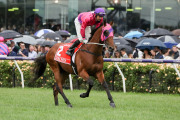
(100, 12)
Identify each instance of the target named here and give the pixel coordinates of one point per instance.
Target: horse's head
(107, 36)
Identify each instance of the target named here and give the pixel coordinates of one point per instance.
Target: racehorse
(88, 60)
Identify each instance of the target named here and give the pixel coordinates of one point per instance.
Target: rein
(92, 43)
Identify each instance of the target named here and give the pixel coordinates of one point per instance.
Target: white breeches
(78, 30)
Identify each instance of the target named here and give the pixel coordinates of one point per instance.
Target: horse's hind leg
(86, 77)
(55, 93)
(100, 77)
(59, 88)
(60, 78)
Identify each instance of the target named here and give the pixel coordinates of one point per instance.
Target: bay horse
(88, 60)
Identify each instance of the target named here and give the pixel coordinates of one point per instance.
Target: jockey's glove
(84, 40)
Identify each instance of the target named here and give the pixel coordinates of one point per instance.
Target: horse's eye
(106, 33)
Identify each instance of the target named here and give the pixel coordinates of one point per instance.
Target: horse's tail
(40, 64)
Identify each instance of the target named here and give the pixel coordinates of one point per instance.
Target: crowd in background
(24, 50)
(156, 53)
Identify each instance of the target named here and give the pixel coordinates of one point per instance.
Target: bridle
(92, 43)
(103, 39)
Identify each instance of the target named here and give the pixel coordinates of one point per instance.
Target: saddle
(62, 57)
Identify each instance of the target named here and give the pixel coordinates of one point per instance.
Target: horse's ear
(111, 23)
(104, 22)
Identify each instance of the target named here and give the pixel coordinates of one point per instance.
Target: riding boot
(70, 51)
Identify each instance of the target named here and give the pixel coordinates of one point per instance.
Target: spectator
(166, 54)
(147, 54)
(2, 29)
(46, 49)
(14, 28)
(35, 48)
(11, 52)
(130, 56)
(171, 53)
(176, 52)
(153, 54)
(158, 53)
(137, 53)
(107, 54)
(41, 52)
(117, 54)
(123, 53)
(14, 47)
(32, 53)
(38, 48)
(4, 50)
(23, 51)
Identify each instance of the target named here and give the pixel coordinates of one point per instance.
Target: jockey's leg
(87, 33)
(78, 28)
(75, 44)
(86, 77)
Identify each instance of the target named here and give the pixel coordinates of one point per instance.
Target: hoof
(112, 105)
(56, 104)
(69, 105)
(84, 95)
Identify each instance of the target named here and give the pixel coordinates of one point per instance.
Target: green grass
(38, 104)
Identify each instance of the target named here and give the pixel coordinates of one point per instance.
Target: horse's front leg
(86, 77)
(100, 77)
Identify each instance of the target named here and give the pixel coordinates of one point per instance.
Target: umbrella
(138, 29)
(178, 45)
(169, 41)
(158, 32)
(43, 42)
(127, 48)
(42, 31)
(120, 41)
(133, 34)
(150, 43)
(176, 32)
(48, 43)
(53, 36)
(133, 42)
(64, 33)
(168, 38)
(10, 34)
(40, 41)
(170, 44)
(34, 36)
(70, 40)
(26, 39)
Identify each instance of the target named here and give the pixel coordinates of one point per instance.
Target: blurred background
(29, 16)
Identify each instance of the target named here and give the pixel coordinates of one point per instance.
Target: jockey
(83, 24)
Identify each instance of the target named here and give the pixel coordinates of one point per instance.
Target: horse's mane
(94, 30)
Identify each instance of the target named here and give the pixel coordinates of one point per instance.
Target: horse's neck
(96, 39)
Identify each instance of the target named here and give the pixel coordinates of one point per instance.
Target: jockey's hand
(84, 40)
